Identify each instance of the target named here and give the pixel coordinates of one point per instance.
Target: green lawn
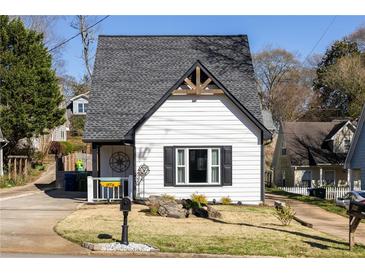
(325, 204)
(243, 230)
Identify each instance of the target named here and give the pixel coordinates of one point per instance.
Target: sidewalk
(321, 219)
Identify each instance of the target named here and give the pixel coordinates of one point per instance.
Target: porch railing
(96, 192)
(332, 193)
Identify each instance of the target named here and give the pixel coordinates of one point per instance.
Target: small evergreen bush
(226, 200)
(284, 214)
(199, 198)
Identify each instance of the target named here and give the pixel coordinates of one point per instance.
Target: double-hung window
(197, 165)
(82, 107)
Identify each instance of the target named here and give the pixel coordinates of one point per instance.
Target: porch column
(95, 160)
(321, 176)
(350, 179)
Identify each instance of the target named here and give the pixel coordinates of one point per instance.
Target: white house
(186, 107)
(355, 160)
(78, 104)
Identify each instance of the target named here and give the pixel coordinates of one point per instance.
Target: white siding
(202, 121)
(59, 134)
(358, 158)
(75, 106)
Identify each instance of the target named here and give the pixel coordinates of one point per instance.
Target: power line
(74, 36)
(320, 39)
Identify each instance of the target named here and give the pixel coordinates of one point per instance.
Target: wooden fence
(18, 165)
(331, 192)
(69, 161)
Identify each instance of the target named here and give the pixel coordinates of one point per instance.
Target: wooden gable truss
(198, 83)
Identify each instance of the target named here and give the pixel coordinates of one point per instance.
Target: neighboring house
(355, 160)
(268, 121)
(185, 106)
(3, 143)
(77, 105)
(312, 153)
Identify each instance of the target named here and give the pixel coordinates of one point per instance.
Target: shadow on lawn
(285, 231)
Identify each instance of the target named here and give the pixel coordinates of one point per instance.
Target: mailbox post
(356, 213)
(125, 206)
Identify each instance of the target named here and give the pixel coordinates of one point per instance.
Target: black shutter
(226, 165)
(169, 166)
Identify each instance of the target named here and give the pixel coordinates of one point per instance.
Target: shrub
(77, 124)
(226, 200)
(167, 198)
(284, 214)
(154, 210)
(6, 182)
(199, 198)
(68, 148)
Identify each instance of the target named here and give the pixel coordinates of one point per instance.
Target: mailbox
(125, 204)
(357, 208)
(356, 214)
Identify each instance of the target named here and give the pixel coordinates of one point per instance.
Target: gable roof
(355, 139)
(305, 142)
(133, 73)
(84, 95)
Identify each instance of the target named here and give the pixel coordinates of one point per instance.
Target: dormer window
(82, 107)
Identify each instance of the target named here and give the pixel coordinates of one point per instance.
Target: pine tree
(29, 91)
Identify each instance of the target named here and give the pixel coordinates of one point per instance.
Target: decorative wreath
(119, 161)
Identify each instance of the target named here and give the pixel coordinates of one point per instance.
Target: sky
(299, 34)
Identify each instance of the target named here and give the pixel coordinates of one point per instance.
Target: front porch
(112, 172)
(327, 175)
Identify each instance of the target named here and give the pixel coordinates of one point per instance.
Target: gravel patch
(116, 246)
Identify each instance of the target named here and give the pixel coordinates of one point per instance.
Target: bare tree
(82, 24)
(47, 26)
(285, 84)
(358, 36)
(272, 67)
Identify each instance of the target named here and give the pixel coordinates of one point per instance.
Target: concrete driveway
(28, 215)
(321, 219)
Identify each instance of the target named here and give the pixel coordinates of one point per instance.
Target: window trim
(82, 105)
(311, 177)
(209, 166)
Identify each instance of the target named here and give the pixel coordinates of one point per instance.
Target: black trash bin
(70, 182)
(311, 192)
(81, 181)
(321, 193)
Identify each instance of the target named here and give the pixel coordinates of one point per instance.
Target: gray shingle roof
(306, 143)
(132, 73)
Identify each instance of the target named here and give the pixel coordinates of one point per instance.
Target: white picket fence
(331, 192)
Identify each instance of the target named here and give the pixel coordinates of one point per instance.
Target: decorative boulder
(172, 210)
(167, 207)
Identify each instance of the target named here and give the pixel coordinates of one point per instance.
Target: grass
(243, 231)
(327, 205)
(34, 173)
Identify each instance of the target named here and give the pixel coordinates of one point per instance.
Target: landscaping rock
(206, 212)
(167, 207)
(172, 210)
(116, 246)
(213, 213)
